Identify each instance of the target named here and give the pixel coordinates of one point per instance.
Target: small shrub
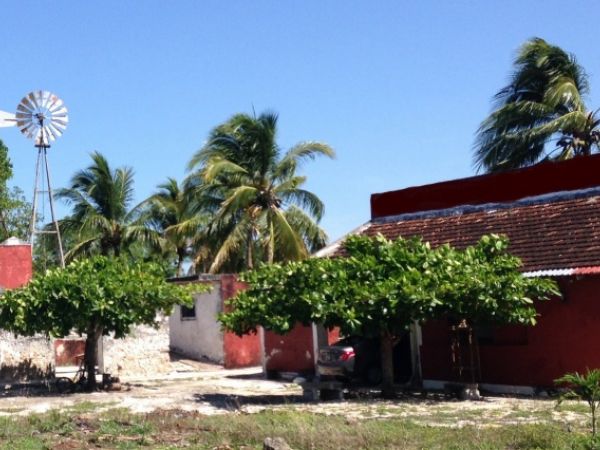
(584, 387)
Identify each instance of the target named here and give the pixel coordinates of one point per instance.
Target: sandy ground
(209, 389)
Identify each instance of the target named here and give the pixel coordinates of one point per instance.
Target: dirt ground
(209, 389)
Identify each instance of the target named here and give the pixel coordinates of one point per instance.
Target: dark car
(358, 359)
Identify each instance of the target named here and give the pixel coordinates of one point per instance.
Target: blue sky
(397, 88)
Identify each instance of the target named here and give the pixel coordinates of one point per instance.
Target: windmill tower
(41, 116)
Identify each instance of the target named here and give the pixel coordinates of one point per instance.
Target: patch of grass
(119, 428)
(11, 410)
(87, 406)
(575, 407)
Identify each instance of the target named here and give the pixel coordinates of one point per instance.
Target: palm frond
(287, 240)
(300, 152)
(234, 242)
(305, 200)
(313, 235)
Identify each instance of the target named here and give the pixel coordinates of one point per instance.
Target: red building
(551, 214)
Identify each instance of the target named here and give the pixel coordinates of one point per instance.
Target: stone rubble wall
(144, 352)
(25, 358)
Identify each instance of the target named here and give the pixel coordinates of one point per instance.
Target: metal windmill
(41, 116)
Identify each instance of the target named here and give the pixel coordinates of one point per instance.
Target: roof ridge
(467, 209)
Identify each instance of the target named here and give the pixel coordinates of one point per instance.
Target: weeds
(119, 428)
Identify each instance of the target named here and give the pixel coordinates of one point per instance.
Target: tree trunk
(387, 365)
(94, 332)
(180, 258)
(271, 245)
(249, 250)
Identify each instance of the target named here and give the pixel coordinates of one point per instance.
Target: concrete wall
(199, 337)
(566, 339)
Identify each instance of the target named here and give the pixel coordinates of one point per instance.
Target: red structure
(239, 351)
(502, 187)
(295, 351)
(551, 214)
(15, 263)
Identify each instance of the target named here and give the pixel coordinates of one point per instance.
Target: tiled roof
(562, 233)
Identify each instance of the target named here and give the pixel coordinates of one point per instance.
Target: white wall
(201, 337)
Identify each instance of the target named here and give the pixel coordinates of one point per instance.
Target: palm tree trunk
(249, 255)
(271, 244)
(180, 258)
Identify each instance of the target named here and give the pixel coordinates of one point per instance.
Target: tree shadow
(258, 375)
(24, 371)
(233, 402)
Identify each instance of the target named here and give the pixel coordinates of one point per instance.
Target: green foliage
(110, 293)
(543, 103)
(584, 387)
(483, 284)
(384, 286)
(180, 217)
(102, 218)
(16, 215)
(263, 210)
(15, 211)
(6, 173)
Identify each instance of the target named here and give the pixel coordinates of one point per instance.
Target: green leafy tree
(264, 208)
(584, 387)
(102, 216)
(5, 174)
(15, 211)
(95, 297)
(381, 287)
(16, 216)
(543, 103)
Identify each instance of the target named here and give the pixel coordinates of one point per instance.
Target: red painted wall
(291, 352)
(68, 352)
(566, 339)
(242, 351)
(15, 265)
(577, 173)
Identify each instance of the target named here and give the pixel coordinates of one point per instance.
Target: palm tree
(543, 103)
(264, 209)
(182, 220)
(101, 216)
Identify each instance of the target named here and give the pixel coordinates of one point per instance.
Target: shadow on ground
(233, 402)
(258, 375)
